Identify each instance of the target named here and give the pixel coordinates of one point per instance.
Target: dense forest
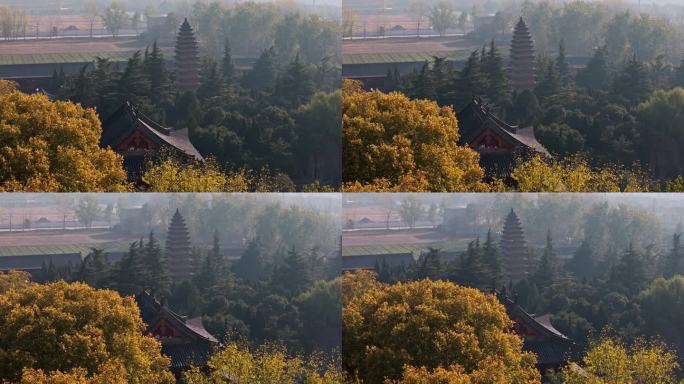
(608, 84)
(279, 115)
(282, 288)
(623, 278)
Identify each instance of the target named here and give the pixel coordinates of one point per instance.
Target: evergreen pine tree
(158, 276)
(423, 86)
(496, 79)
(250, 266)
(292, 276)
(430, 265)
(469, 83)
(547, 270)
(134, 85)
(474, 270)
(582, 264)
(674, 261)
(263, 75)
(227, 66)
(94, 269)
(294, 87)
(633, 83)
(629, 274)
(492, 260)
(596, 75)
(161, 86)
(678, 80)
(562, 64)
(549, 83)
(210, 81)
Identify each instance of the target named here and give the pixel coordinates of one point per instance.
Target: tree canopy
(390, 331)
(54, 147)
(391, 140)
(73, 329)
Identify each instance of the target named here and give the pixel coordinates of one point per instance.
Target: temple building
(179, 257)
(539, 336)
(184, 341)
(138, 139)
(522, 66)
(498, 143)
(187, 59)
(514, 251)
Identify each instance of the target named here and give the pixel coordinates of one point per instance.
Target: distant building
(551, 346)
(181, 264)
(514, 252)
(372, 262)
(33, 258)
(137, 138)
(522, 67)
(187, 59)
(498, 143)
(184, 341)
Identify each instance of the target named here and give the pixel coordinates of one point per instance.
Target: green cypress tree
(632, 83)
(430, 265)
(492, 260)
(294, 87)
(596, 75)
(210, 81)
(629, 274)
(469, 83)
(134, 85)
(161, 87)
(582, 264)
(263, 75)
(562, 64)
(550, 82)
(251, 264)
(674, 261)
(227, 66)
(547, 271)
(496, 79)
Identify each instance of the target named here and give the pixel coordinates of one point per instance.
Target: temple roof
(152, 311)
(127, 119)
(476, 116)
(554, 348)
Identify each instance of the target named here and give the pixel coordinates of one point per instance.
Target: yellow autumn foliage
(399, 333)
(50, 146)
(609, 361)
(236, 364)
(171, 175)
(73, 333)
(574, 174)
(390, 142)
(13, 280)
(7, 87)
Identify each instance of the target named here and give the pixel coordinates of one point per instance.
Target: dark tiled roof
(127, 119)
(476, 116)
(184, 356)
(152, 311)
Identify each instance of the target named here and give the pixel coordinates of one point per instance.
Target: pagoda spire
(514, 251)
(179, 258)
(522, 68)
(187, 59)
